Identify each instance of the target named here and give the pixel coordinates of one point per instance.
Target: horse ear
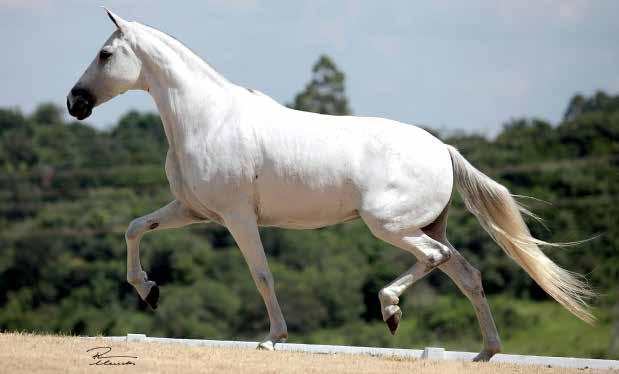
(120, 23)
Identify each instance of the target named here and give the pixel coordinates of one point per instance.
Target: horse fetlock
(139, 281)
(389, 310)
(493, 347)
(135, 278)
(387, 297)
(278, 331)
(392, 314)
(388, 303)
(279, 336)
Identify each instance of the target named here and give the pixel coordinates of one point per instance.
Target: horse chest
(208, 188)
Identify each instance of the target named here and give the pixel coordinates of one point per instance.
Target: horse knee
(138, 226)
(135, 229)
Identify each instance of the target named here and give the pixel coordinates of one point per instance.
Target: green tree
(48, 114)
(600, 102)
(325, 93)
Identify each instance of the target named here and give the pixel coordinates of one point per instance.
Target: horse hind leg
(468, 280)
(389, 296)
(429, 252)
(466, 277)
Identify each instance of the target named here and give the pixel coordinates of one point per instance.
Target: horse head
(115, 70)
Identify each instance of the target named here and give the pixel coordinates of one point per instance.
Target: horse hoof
(394, 321)
(483, 356)
(153, 297)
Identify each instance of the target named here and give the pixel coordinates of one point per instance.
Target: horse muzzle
(80, 103)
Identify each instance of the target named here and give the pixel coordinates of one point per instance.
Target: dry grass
(26, 353)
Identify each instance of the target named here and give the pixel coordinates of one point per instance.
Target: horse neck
(190, 95)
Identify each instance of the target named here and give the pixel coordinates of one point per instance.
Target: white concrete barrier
(427, 353)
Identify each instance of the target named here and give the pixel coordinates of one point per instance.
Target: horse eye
(104, 54)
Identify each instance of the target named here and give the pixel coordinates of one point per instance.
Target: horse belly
(301, 206)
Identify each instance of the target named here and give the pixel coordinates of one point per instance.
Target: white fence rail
(427, 353)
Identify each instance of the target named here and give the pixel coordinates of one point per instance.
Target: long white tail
(500, 215)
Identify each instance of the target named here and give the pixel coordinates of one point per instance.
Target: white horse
(238, 158)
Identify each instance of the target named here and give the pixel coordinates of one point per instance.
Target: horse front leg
(170, 216)
(244, 229)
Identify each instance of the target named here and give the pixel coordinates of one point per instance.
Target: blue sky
(452, 65)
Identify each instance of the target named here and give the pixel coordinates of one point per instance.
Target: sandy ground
(25, 353)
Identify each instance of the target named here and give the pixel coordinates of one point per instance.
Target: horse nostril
(81, 94)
